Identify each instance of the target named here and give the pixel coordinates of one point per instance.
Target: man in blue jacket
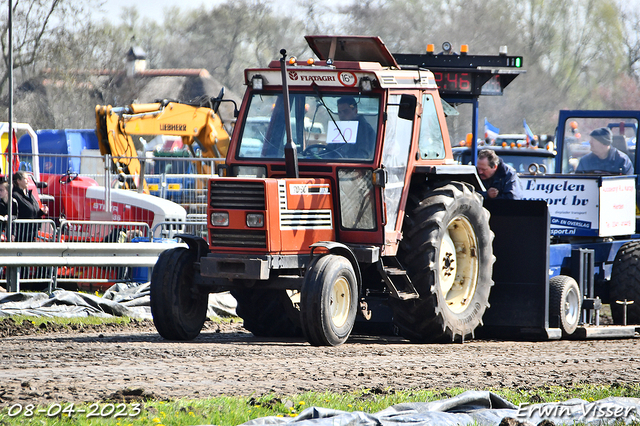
(500, 179)
(603, 157)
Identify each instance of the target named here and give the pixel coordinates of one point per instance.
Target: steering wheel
(319, 150)
(68, 177)
(535, 168)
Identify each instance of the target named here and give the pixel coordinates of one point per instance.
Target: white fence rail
(104, 262)
(81, 254)
(86, 252)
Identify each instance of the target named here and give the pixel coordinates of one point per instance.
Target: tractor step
(397, 280)
(395, 271)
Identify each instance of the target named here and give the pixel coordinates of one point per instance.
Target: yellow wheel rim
(340, 301)
(458, 264)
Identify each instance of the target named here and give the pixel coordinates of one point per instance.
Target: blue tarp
(120, 300)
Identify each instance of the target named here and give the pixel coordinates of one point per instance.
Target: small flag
(14, 150)
(5, 154)
(527, 131)
(490, 131)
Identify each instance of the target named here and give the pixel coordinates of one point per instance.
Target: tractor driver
(365, 140)
(500, 179)
(604, 157)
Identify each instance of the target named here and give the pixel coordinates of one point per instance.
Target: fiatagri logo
(293, 75)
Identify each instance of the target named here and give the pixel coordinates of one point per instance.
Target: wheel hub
(339, 302)
(458, 264)
(571, 310)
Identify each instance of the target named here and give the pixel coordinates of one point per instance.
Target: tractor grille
(238, 238)
(237, 195)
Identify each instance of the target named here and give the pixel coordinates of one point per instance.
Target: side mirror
(217, 100)
(408, 105)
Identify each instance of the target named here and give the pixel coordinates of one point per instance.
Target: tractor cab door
(395, 157)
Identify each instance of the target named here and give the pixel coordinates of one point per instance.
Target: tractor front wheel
(178, 308)
(328, 301)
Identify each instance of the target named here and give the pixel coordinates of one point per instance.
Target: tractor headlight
(255, 220)
(220, 219)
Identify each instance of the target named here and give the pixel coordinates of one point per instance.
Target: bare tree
(35, 24)
(632, 42)
(578, 53)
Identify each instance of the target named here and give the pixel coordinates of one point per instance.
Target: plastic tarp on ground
(469, 408)
(119, 300)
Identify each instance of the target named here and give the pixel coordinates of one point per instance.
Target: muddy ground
(131, 362)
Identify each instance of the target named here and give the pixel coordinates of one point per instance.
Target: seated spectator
(603, 157)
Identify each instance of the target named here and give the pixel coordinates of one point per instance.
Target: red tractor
(339, 197)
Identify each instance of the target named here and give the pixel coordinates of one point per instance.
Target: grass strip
(231, 411)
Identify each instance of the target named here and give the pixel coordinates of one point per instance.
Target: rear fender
(448, 173)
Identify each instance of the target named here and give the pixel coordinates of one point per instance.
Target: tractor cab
(352, 115)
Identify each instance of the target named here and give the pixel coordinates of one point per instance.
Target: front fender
(197, 244)
(340, 249)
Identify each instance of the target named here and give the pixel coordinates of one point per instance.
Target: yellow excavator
(195, 121)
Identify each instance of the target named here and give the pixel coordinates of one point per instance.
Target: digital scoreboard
(466, 75)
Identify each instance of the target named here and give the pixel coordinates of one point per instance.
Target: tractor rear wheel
(328, 302)
(178, 308)
(625, 283)
(565, 303)
(447, 252)
(267, 313)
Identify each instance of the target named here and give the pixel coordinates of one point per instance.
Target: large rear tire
(328, 302)
(178, 308)
(267, 313)
(625, 283)
(446, 249)
(565, 303)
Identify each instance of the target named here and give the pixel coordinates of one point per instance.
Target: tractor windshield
(328, 127)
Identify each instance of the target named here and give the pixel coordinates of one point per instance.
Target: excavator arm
(193, 123)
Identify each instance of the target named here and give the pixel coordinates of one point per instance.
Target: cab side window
(431, 143)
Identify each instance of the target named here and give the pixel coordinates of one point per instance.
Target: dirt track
(93, 366)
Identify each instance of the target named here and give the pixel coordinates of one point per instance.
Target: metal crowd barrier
(78, 252)
(96, 231)
(172, 178)
(195, 225)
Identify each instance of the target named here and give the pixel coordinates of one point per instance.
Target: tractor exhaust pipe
(290, 153)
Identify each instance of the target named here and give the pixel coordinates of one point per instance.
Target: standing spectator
(4, 210)
(28, 207)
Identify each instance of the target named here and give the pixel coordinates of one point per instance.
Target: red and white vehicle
(73, 197)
